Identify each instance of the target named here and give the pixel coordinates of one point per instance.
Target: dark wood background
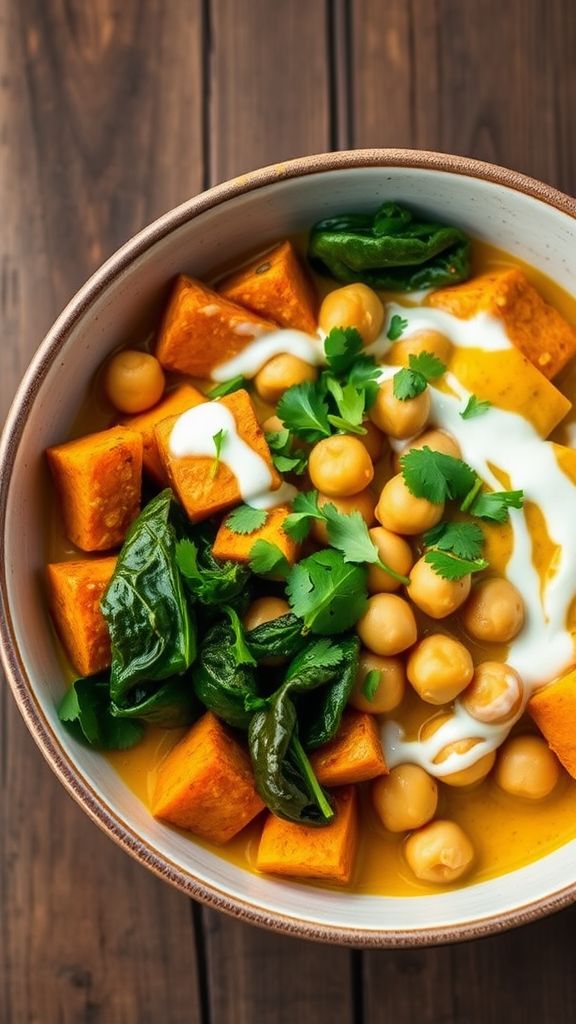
(112, 111)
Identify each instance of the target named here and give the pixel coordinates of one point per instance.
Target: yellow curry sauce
(507, 832)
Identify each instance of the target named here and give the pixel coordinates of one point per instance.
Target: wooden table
(112, 111)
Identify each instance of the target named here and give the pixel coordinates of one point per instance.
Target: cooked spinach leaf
(279, 638)
(151, 630)
(320, 713)
(220, 682)
(86, 711)
(171, 705)
(209, 580)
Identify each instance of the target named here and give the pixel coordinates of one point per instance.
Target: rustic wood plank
(98, 132)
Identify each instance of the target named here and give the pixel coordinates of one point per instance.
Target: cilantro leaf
(218, 438)
(475, 407)
(285, 457)
(318, 654)
(304, 511)
(494, 505)
(87, 712)
(371, 683)
(364, 374)
(227, 387)
(348, 533)
(304, 411)
(267, 559)
(449, 567)
(351, 403)
(429, 365)
(240, 650)
(326, 592)
(245, 519)
(465, 540)
(436, 476)
(396, 327)
(341, 346)
(411, 381)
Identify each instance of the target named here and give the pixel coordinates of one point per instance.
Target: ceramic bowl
(521, 216)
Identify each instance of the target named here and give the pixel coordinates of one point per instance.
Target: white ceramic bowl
(520, 215)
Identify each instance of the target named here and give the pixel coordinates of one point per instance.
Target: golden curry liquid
(506, 832)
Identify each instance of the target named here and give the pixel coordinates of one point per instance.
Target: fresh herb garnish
(209, 580)
(494, 505)
(396, 327)
(86, 710)
(245, 519)
(412, 380)
(348, 533)
(286, 458)
(218, 438)
(327, 592)
(341, 346)
(475, 407)
(371, 683)
(304, 511)
(465, 540)
(227, 387)
(267, 559)
(450, 567)
(240, 650)
(303, 410)
(351, 404)
(436, 476)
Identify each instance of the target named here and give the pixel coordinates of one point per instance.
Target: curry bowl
(210, 234)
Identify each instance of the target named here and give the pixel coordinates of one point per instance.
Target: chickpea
(439, 668)
(494, 612)
(399, 511)
(436, 441)
(527, 768)
(433, 595)
(364, 503)
(439, 852)
(280, 373)
(391, 685)
(340, 466)
(406, 798)
(465, 776)
(355, 305)
(495, 693)
(421, 341)
(396, 418)
(134, 381)
(373, 440)
(264, 609)
(388, 625)
(395, 552)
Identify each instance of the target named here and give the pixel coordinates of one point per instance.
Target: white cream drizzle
(480, 331)
(254, 356)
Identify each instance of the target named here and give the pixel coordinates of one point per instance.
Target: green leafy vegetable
(240, 650)
(370, 684)
(412, 380)
(86, 711)
(474, 407)
(234, 384)
(267, 559)
(449, 567)
(285, 456)
(304, 411)
(151, 629)
(351, 404)
(342, 345)
(328, 593)
(465, 540)
(172, 704)
(348, 533)
(320, 712)
(218, 438)
(279, 638)
(207, 579)
(436, 476)
(222, 684)
(495, 505)
(304, 511)
(397, 327)
(390, 250)
(245, 519)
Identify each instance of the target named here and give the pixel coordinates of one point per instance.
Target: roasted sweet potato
(553, 708)
(74, 592)
(276, 286)
(202, 329)
(200, 491)
(205, 784)
(237, 546)
(98, 479)
(538, 330)
(177, 401)
(354, 755)
(304, 852)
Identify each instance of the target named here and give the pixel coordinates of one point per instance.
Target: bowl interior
(130, 301)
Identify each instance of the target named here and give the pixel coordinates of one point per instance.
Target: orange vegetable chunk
(275, 285)
(201, 329)
(354, 754)
(237, 546)
(74, 592)
(206, 785)
(536, 328)
(175, 402)
(98, 479)
(553, 708)
(199, 490)
(301, 851)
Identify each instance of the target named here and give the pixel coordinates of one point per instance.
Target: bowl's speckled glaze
(516, 213)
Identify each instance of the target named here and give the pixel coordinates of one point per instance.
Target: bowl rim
(45, 737)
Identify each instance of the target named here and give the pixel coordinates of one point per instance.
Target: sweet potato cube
(200, 491)
(206, 785)
(303, 852)
(354, 755)
(98, 479)
(202, 329)
(553, 708)
(536, 328)
(74, 592)
(276, 286)
(177, 401)
(237, 546)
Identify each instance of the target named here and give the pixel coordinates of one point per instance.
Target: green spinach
(320, 713)
(279, 638)
(221, 684)
(209, 580)
(171, 705)
(86, 711)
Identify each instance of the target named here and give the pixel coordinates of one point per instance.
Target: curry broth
(507, 833)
